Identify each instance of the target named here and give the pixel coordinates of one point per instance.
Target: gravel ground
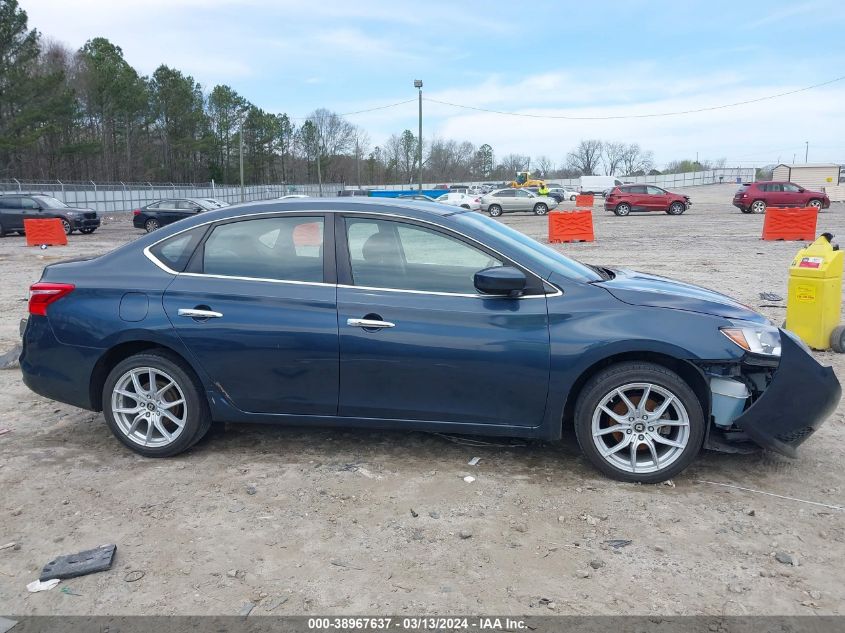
(301, 521)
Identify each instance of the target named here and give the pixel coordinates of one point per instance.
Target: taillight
(43, 293)
(136, 212)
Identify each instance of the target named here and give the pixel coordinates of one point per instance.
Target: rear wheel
(676, 208)
(639, 422)
(153, 403)
(758, 206)
(494, 210)
(87, 231)
(151, 225)
(622, 209)
(572, 198)
(540, 209)
(816, 204)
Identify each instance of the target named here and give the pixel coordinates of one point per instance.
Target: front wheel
(494, 210)
(622, 209)
(540, 209)
(639, 422)
(758, 206)
(154, 404)
(66, 227)
(572, 198)
(837, 339)
(676, 208)
(816, 204)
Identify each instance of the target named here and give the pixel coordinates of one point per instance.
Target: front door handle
(195, 313)
(369, 323)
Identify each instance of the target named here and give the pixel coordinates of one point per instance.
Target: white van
(598, 184)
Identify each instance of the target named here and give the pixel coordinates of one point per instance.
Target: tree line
(87, 114)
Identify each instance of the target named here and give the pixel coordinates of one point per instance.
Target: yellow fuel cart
(814, 300)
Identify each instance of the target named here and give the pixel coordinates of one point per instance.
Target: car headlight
(757, 339)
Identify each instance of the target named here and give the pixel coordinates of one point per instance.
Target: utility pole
(419, 84)
(357, 163)
(241, 156)
(806, 150)
(319, 173)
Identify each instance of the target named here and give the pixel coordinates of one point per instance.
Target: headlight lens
(760, 339)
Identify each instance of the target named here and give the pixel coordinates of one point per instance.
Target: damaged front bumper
(801, 395)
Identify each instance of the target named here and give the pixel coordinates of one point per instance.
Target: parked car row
(163, 212)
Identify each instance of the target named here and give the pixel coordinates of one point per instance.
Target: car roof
(386, 206)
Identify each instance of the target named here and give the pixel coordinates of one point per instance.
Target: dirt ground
(297, 521)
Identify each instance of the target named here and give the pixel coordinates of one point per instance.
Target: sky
(549, 59)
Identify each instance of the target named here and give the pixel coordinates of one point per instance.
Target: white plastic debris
(474, 461)
(37, 585)
(469, 479)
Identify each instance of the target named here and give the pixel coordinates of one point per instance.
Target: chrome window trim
(558, 292)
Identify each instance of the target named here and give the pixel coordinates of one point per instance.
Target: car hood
(642, 289)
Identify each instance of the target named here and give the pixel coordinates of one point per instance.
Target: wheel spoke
(134, 424)
(177, 421)
(137, 384)
(653, 449)
(664, 422)
(616, 416)
(170, 405)
(127, 410)
(149, 432)
(128, 394)
(633, 451)
(659, 411)
(617, 447)
(616, 428)
(160, 428)
(628, 403)
(665, 440)
(152, 381)
(165, 388)
(641, 407)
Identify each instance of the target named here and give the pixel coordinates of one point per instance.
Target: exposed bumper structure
(801, 396)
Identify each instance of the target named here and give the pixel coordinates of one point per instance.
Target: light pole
(418, 84)
(806, 150)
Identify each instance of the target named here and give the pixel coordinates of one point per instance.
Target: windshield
(51, 202)
(550, 258)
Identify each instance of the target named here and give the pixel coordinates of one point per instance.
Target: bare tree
(635, 160)
(513, 163)
(545, 166)
(612, 154)
(585, 158)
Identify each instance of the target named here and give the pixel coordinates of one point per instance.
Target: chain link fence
(117, 197)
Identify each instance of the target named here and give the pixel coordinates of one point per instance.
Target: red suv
(626, 198)
(754, 197)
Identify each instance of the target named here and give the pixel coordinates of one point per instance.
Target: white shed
(815, 176)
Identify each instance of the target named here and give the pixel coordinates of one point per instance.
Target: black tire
(2, 231)
(67, 227)
(622, 209)
(745, 209)
(604, 384)
(572, 198)
(87, 231)
(151, 225)
(837, 339)
(676, 208)
(758, 206)
(541, 208)
(815, 203)
(197, 420)
(494, 210)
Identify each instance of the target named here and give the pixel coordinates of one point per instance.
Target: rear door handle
(194, 313)
(369, 323)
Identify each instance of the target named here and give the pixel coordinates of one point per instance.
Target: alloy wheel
(758, 206)
(66, 227)
(151, 225)
(149, 407)
(640, 428)
(623, 209)
(816, 204)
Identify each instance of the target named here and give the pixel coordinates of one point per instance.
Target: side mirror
(801, 190)
(500, 280)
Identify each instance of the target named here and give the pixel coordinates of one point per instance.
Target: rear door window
(655, 191)
(10, 202)
(283, 249)
(637, 189)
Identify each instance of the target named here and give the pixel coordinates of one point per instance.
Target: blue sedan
(410, 315)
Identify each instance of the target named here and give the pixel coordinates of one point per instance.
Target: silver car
(506, 200)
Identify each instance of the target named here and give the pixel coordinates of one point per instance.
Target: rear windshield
(742, 188)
